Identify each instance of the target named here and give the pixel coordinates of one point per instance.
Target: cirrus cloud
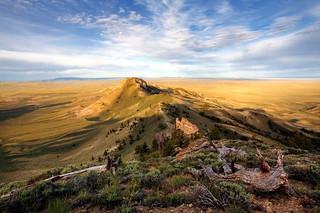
(160, 38)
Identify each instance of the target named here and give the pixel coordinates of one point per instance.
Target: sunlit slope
(295, 101)
(53, 133)
(34, 117)
(61, 127)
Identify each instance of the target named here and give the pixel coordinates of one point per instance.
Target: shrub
(126, 209)
(211, 159)
(6, 188)
(231, 194)
(176, 199)
(168, 149)
(202, 156)
(111, 195)
(162, 126)
(177, 181)
(235, 157)
(142, 150)
(155, 154)
(217, 166)
(178, 139)
(36, 199)
(83, 198)
(152, 178)
(251, 160)
(58, 206)
(215, 134)
(133, 167)
(133, 190)
(189, 161)
(154, 146)
(223, 195)
(235, 209)
(262, 146)
(91, 181)
(315, 195)
(168, 170)
(153, 200)
(309, 173)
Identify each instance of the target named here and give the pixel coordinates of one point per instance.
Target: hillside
(171, 142)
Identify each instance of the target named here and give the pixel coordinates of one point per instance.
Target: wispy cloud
(165, 38)
(224, 7)
(283, 24)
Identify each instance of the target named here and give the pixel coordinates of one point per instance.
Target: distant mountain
(76, 79)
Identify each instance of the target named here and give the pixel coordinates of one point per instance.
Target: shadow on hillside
(6, 114)
(63, 143)
(269, 127)
(4, 161)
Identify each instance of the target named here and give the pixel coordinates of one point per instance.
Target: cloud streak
(168, 38)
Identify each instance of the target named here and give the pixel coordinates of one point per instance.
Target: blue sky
(43, 39)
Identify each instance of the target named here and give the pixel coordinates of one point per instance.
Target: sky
(45, 39)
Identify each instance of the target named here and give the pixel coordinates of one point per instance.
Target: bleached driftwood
(101, 168)
(57, 177)
(111, 165)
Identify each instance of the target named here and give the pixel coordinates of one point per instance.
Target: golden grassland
(27, 132)
(296, 101)
(37, 118)
(57, 101)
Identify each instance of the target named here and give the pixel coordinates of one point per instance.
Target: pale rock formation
(186, 126)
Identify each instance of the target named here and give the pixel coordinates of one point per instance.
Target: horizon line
(163, 77)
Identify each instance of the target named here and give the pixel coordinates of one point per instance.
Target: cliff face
(186, 126)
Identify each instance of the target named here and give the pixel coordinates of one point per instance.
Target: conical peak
(134, 82)
(139, 83)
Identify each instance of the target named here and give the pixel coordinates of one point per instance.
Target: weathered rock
(186, 126)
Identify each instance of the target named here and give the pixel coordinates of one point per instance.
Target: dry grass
(49, 135)
(296, 101)
(26, 136)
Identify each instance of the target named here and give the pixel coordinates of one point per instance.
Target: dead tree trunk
(266, 180)
(264, 166)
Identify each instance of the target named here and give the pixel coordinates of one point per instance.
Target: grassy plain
(40, 128)
(36, 116)
(296, 101)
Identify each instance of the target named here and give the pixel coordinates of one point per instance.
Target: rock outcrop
(140, 84)
(186, 126)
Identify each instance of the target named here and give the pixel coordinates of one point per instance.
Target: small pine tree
(215, 134)
(142, 150)
(154, 145)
